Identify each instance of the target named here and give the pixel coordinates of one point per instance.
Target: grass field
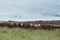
(28, 34)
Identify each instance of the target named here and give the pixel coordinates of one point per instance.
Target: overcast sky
(26, 10)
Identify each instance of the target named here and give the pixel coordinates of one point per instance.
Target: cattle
(45, 27)
(39, 26)
(31, 25)
(12, 25)
(22, 25)
(48, 27)
(19, 25)
(1, 24)
(26, 25)
(55, 27)
(35, 26)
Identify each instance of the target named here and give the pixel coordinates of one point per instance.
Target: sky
(29, 10)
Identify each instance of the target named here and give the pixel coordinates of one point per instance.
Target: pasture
(28, 34)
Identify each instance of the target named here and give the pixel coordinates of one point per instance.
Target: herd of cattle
(29, 25)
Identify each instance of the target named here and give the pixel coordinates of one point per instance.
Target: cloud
(30, 9)
(18, 6)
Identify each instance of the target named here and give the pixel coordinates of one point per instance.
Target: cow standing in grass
(19, 25)
(27, 25)
(44, 26)
(22, 25)
(39, 26)
(1, 24)
(35, 26)
(11, 25)
(31, 25)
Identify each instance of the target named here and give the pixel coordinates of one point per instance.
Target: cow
(31, 25)
(35, 26)
(1, 24)
(19, 25)
(44, 26)
(22, 25)
(39, 26)
(26, 25)
(48, 27)
(11, 25)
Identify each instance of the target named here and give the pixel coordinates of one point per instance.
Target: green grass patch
(28, 34)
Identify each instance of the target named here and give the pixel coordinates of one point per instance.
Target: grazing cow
(56, 27)
(19, 25)
(31, 25)
(22, 25)
(47, 27)
(26, 25)
(44, 26)
(16, 25)
(39, 26)
(35, 26)
(1, 24)
(5, 24)
(11, 25)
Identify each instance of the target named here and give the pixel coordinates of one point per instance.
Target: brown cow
(11, 25)
(19, 25)
(31, 25)
(35, 26)
(39, 26)
(22, 25)
(26, 25)
(1, 24)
